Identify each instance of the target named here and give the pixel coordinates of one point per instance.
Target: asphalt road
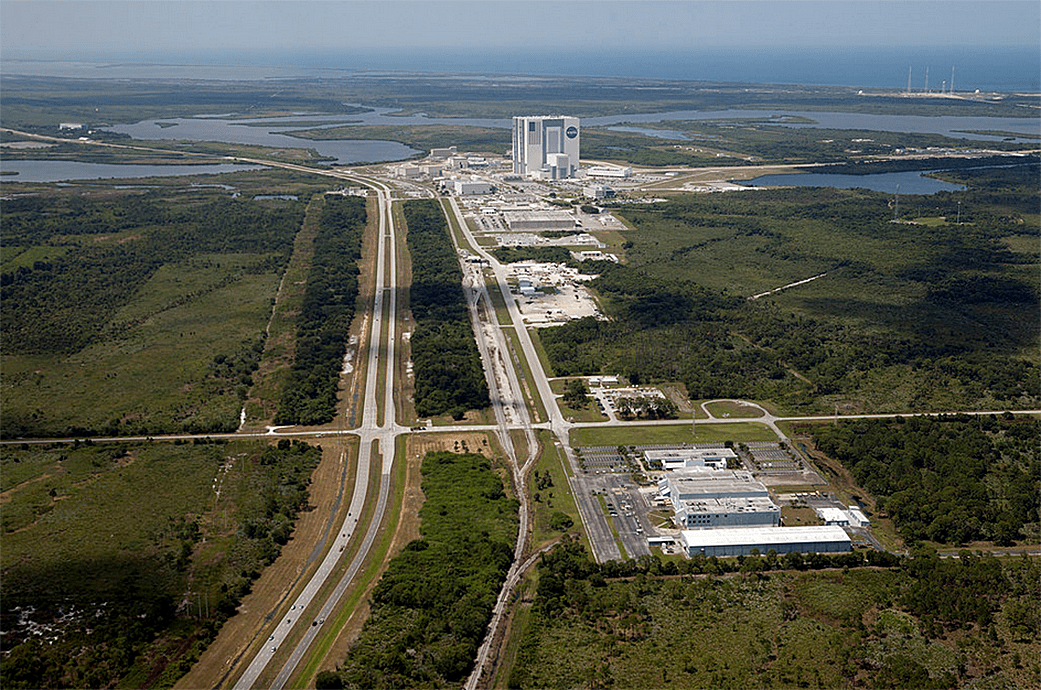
(374, 433)
(510, 411)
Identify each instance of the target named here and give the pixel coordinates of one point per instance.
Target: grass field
(173, 351)
(554, 494)
(155, 375)
(635, 435)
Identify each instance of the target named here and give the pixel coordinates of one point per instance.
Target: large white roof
(738, 536)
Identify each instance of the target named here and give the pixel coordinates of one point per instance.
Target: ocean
(987, 68)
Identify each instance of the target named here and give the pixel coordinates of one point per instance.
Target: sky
(168, 29)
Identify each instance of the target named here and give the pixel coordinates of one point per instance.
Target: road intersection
(303, 621)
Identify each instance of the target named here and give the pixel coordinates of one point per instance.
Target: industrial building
(598, 191)
(700, 483)
(686, 458)
(609, 171)
(707, 498)
(740, 541)
(710, 513)
(538, 220)
(842, 518)
(465, 187)
(546, 148)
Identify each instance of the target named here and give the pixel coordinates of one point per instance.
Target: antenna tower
(927, 78)
(909, 79)
(896, 206)
(952, 80)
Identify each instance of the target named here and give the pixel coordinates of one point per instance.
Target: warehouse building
(711, 513)
(538, 220)
(701, 483)
(707, 498)
(465, 187)
(545, 148)
(740, 541)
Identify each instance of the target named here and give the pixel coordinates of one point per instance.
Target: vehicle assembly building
(545, 148)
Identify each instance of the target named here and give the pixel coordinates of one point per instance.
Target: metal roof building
(739, 541)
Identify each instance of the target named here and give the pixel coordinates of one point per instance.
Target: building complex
(546, 148)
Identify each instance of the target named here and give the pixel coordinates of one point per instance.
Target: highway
(301, 620)
(377, 446)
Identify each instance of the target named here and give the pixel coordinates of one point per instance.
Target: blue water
(890, 183)
(988, 68)
(343, 151)
(60, 171)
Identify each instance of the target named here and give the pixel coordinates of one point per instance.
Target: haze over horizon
(994, 44)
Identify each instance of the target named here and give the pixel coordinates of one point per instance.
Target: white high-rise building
(545, 147)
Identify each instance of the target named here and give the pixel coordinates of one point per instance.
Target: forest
(864, 619)
(430, 608)
(112, 301)
(309, 392)
(914, 315)
(449, 376)
(952, 480)
(133, 603)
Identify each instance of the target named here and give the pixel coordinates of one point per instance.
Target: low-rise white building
(466, 187)
(685, 458)
(857, 518)
(441, 154)
(538, 220)
(609, 171)
(696, 483)
(704, 497)
(833, 516)
(407, 171)
(739, 541)
(711, 513)
(598, 191)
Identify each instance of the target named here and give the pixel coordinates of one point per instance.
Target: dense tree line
(432, 605)
(544, 254)
(131, 621)
(950, 480)
(448, 374)
(309, 393)
(622, 614)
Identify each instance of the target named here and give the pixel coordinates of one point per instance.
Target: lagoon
(61, 171)
(907, 182)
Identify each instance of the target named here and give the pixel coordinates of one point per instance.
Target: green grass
(502, 312)
(555, 498)
(635, 435)
(155, 375)
(115, 530)
(732, 410)
(824, 629)
(16, 257)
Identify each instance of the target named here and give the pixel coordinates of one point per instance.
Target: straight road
(377, 446)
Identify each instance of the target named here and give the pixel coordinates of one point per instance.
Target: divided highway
(302, 620)
(377, 446)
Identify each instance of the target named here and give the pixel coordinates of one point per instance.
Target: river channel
(274, 131)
